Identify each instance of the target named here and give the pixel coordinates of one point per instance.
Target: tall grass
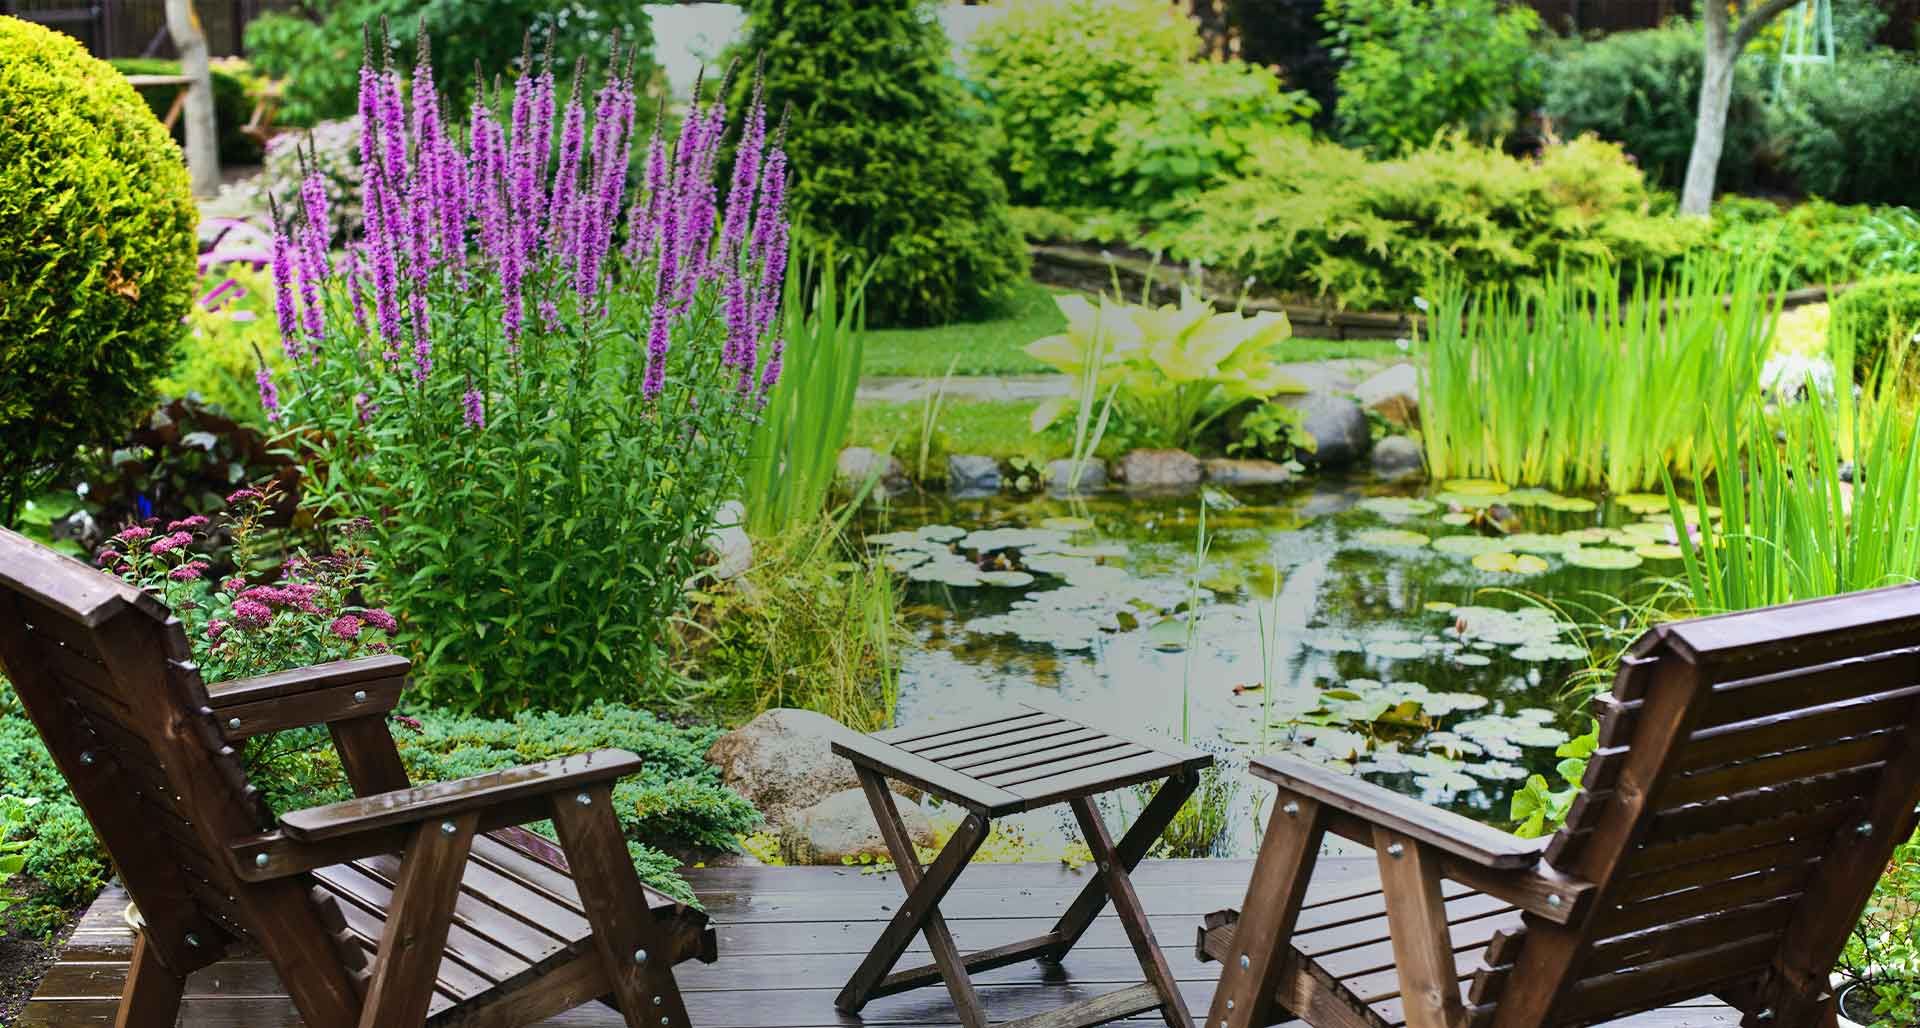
(1586, 381)
(1798, 521)
(795, 449)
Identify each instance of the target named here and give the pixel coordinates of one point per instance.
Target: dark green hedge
(232, 105)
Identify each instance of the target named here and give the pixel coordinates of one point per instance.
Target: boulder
(1223, 471)
(841, 826)
(1393, 394)
(972, 475)
(1093, 477)
(731, 546)
(783, 761)
(1159, 469)
(859, 463)
(1397, 457)
(1338, 426)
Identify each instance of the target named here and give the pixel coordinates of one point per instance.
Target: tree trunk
(1722, 53)
(203, 140)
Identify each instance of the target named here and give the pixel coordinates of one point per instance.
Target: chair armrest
(1444, 830)
(321, 694)
(386, 822)
(441, 799)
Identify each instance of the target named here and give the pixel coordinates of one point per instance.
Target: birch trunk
(203, 146)
(1721, 53)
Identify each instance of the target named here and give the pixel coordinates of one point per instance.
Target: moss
(96, 254)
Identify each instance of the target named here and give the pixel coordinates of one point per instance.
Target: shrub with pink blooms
(311, 612)
(538, 384)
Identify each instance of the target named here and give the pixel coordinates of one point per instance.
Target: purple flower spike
(283, 305)
(564, 224)
(746, 173)
(475, 408)
(269, 396)
(657, 342)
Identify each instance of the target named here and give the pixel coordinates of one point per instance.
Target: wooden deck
(789, 937)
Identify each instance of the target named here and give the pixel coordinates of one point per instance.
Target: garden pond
(1401, 633)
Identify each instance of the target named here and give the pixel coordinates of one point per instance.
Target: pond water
(1397, 633)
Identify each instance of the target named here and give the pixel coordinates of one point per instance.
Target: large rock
(972, 475)
(1338, 426)
(841, 827)
(728, 541)
(1393, 394)
(783, 761)
(858, 463)
(1159, 469)
(1397, 457)
(1093, 477)
(1223, 471)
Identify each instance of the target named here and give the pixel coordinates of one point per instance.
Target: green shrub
(233, 100)
(1317, 220)
(1642, 90)
(1874, 315)
(1853, 134)
(332, 148)
(888, 154)
(1815, 243)
(96, 254)
(1104, 104)
(1414, 69)
(318, 52)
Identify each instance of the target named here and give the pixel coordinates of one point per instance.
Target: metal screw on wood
(639, 956)
(261, 861)
(1766, 1015)
(359, 696)
(233, 722)
(86, 756)
(1554, 900)
(193, 940)
(1292, 809)
(584, 800)
(1229, 1004)
(1865, 829)
(1396, 851)
(656, 1001)
(1245, 961)
(447, 828)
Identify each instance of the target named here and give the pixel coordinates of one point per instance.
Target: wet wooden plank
(781, 970)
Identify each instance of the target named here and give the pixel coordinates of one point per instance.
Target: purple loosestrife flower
(770, 375)
(319, 234)
(540, 150)
(386, 273)
(283, 291)
(746, 174)
(476, 411)
(269, 396)
(614, 122)
(739, 317)
(643, 217)
(657, 342)
(452, 205)
(549, 316)
(311, 272)
(351, 277)
(563, 225)
(768, 253)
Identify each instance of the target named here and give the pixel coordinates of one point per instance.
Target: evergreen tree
(888, 159)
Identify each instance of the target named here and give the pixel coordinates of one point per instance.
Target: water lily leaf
(901, 560)
(1393, 537)
(1659, 532)
(1447, 781)
(1444, 703)
(987, 540)
(1535, 542)
(1659, 551)
(940, 533)
(1466, 501)
(1475, 486)
(1398, 506)
(1509, 563)
(1396, 650)
(1472, 659)
(1168, 635)
(1458, 519)
(1587, 536)
(884, 539)
(1007, 579)
(1468, 545)
(1333, 642)
(1571, 504)
(1642, 503)
(956, 573)
(1438, 606)
(1063, 524)
(1497, 770)
(1603, 558)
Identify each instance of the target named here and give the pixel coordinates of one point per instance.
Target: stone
(783, 761)
(1397, 457)
(1322, 504)
(1338, 426)
(972, 475)
(857, 464)
(1393, 394)
(1093, 476)
(841, 827)
(1159, 469)
(1223, 471)
(731, 546)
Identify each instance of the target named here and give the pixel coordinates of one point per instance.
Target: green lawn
(990, 347)
(990, 427)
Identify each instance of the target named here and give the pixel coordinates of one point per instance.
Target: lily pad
(1510, 563)
(1603, 558)
(1587, 536)
(902, 560)
(1468, 545)
(987, 540)
(1472, 659)
(1660, 551)
(1475, 487)
(1007, 579)
(1394, 537)
(1642, 503)
(1458, 519)
(1535, 542)
(1398, 506)
(1571, 504)
(1390, 650)
(940, 533)
(1333, 642)
(1439, 606)
(1063, 524)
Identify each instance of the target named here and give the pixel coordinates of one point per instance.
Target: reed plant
(1799, 520)
(1588, 380)
(793, 455)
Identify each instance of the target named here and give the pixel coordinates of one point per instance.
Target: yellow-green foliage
(1876, 314)
(217, 359)
(1315, 219)
(96, 253)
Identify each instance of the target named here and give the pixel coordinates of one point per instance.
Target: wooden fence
(138, 28)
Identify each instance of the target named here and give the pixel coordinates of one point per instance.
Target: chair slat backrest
(1755, 772)
(103, 670)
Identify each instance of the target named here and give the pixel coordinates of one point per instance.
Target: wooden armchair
(404, 906)
(1755, 772)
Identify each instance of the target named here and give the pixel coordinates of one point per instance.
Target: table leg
(1133, 847)
(921, 911)
(1126, 903)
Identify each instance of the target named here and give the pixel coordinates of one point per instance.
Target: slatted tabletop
(1019, 758)
(790, 936)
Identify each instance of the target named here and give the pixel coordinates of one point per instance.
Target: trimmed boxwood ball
(96, 254)
(1874, 314)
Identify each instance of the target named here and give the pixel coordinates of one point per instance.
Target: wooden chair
(408, 905)
(1755, 773)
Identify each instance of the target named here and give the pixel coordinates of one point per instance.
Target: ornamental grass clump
(538, 387)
